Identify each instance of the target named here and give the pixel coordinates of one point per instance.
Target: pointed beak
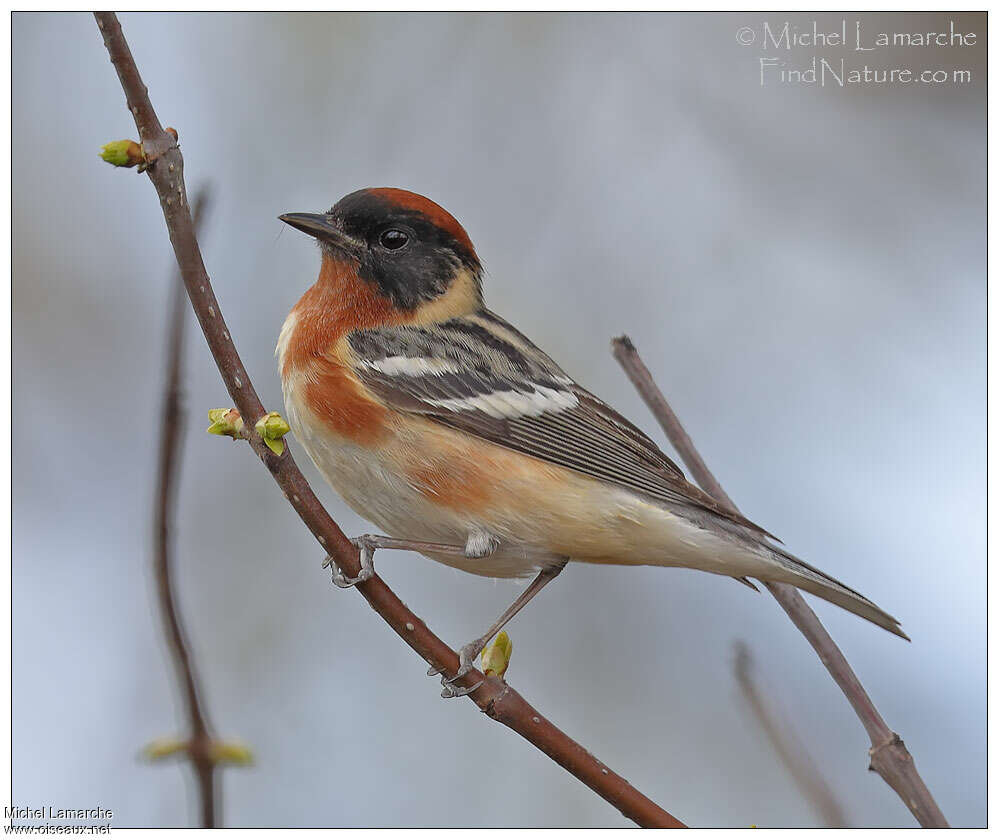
(320, 226)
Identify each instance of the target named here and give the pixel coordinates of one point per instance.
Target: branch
(792, 752)
(172, 422)
(165, 167)
(889, 757)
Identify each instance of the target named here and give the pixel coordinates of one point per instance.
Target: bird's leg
(367, 545)
(468, 653)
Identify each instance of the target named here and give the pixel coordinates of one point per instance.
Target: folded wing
(480, 375)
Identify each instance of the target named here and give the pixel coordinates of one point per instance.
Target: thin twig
(172, 423)
(789, 747)
(497, 699)
(889, 757)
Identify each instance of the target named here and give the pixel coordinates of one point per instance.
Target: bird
(447, 428)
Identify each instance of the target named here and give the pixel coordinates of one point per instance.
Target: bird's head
(411, 250)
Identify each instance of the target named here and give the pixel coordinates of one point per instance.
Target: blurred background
(802, 267)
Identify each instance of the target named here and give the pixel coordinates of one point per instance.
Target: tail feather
(802, 575)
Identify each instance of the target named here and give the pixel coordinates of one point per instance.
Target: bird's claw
(449, 691)
(466, 663)
(344, 582)
(367, 552)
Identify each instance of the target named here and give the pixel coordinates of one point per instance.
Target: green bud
(231, 752)
(163, 748)
(496, 655)
(122, 153)
(225, 421)
(272, 427)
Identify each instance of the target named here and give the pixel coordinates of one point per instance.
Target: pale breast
(398, 478)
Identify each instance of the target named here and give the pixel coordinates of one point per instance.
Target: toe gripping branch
(366, 550)
(367, 544)
(466, 663)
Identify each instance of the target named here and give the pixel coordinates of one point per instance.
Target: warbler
(446, 427)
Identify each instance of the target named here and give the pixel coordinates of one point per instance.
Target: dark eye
(393, 239)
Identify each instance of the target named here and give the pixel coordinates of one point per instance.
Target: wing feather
(480, 375)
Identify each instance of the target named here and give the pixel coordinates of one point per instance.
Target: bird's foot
(466, 663)
(366, 546)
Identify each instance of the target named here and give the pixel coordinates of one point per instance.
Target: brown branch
(889, 757)
(498, 700)
(172, 422)
(789, 747)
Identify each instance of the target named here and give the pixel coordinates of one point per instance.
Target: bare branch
(789, 747)
(889, 757)
(497, 699)
(172, 422)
